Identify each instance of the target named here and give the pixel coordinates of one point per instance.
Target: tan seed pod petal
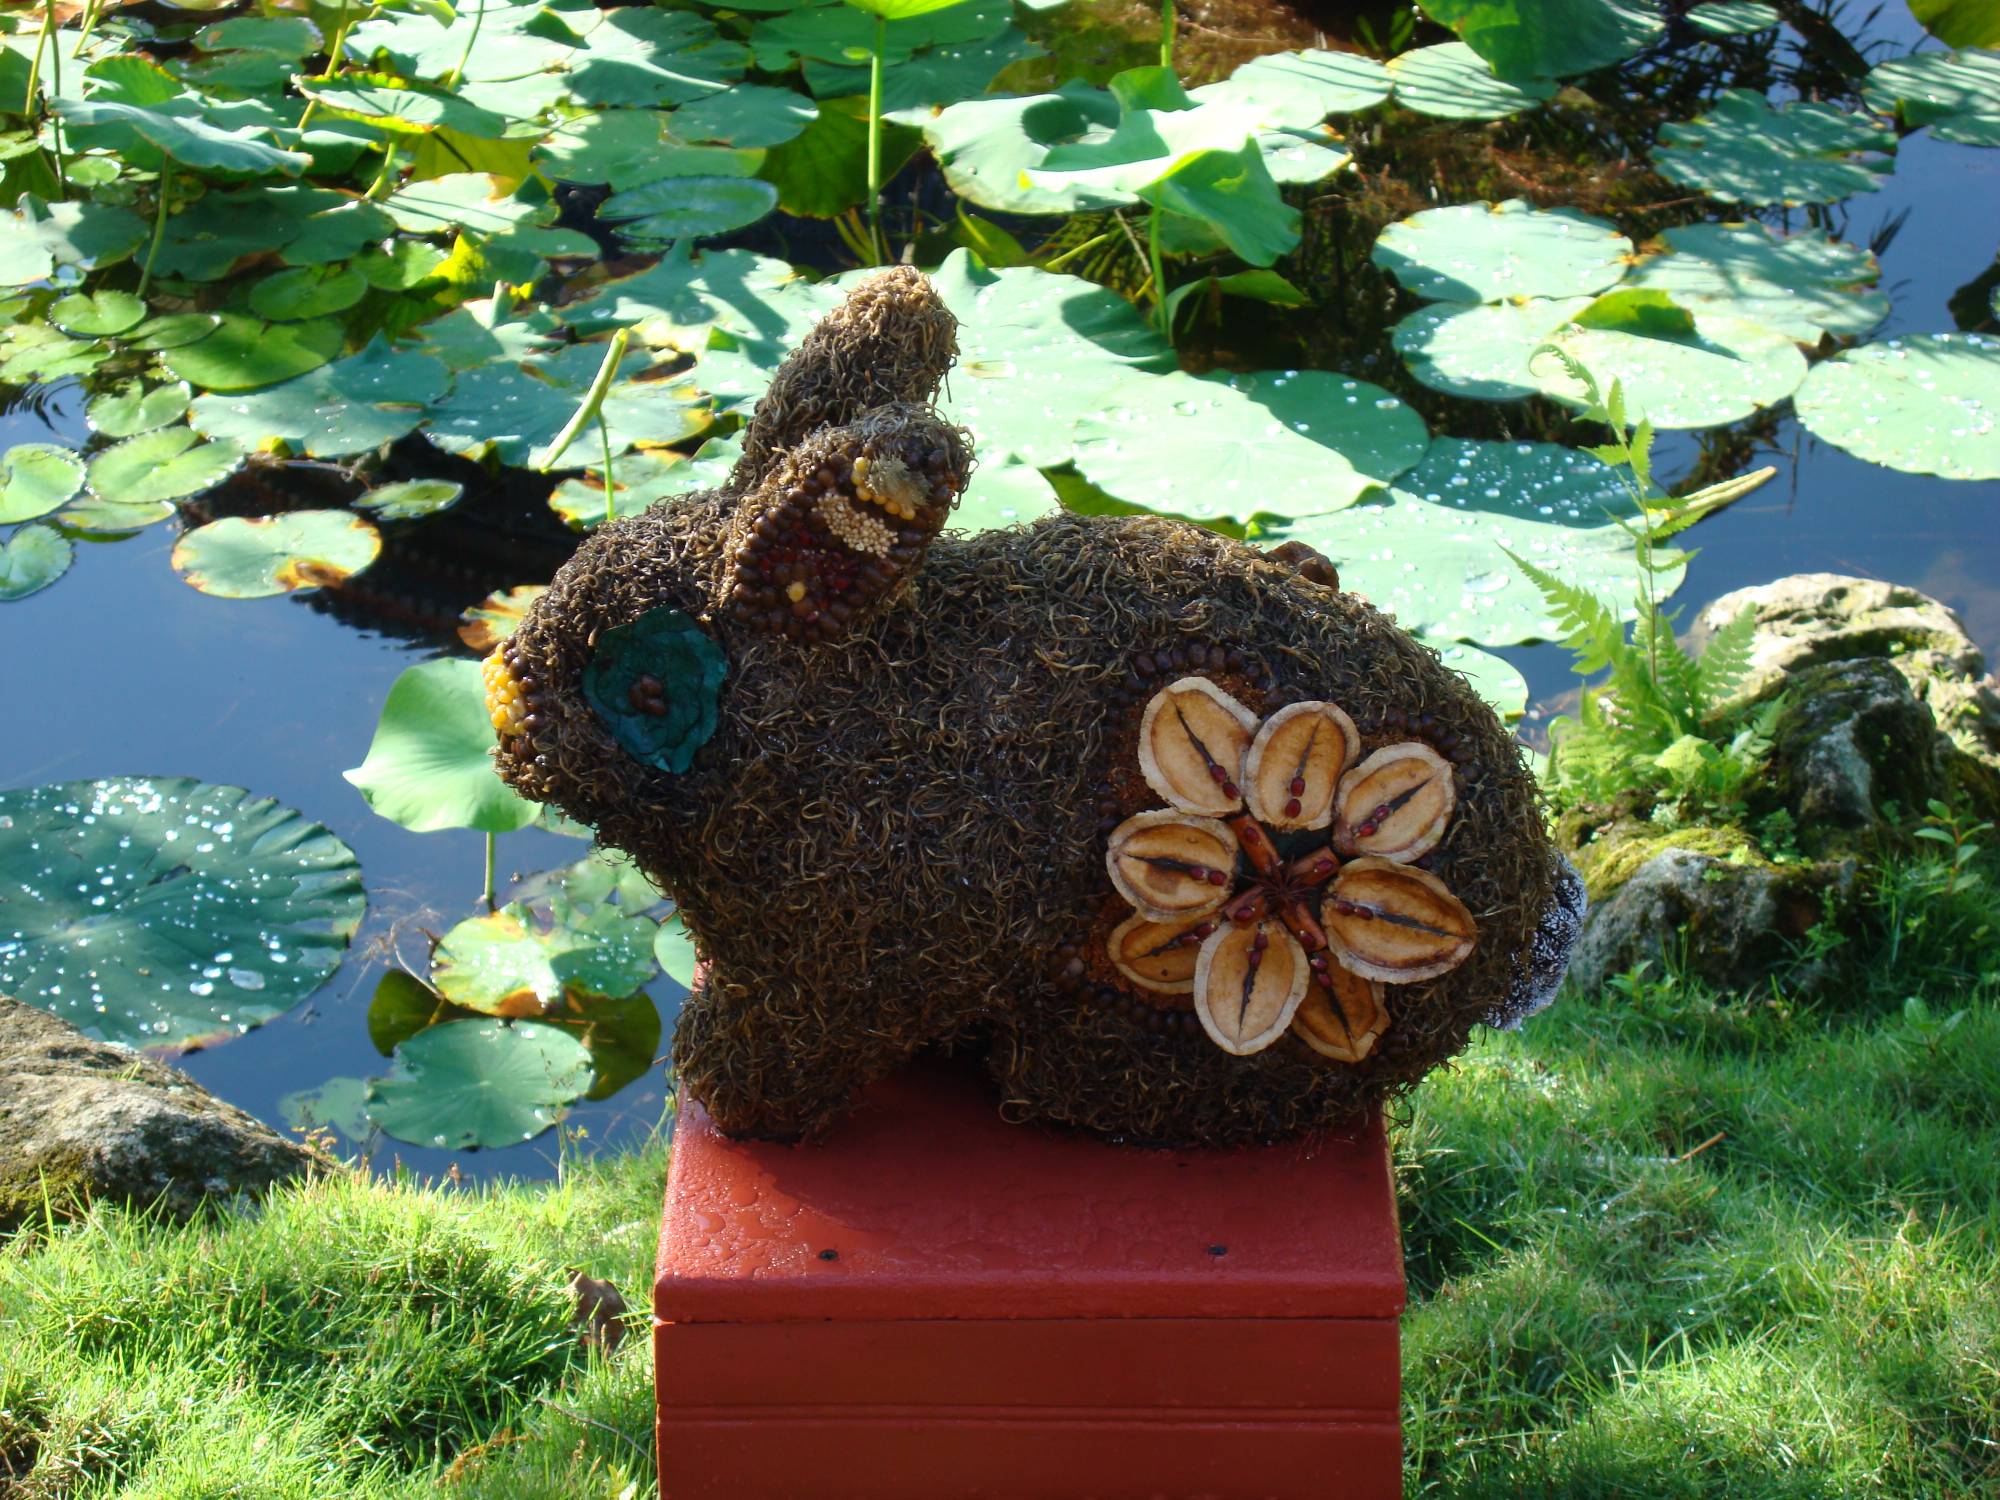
(1395, 804)
(1245, 995)
(1389, 922)
(1166, 863)
(1158, 956)
(1191, 746)
(1342, 1020)
(1295, 764)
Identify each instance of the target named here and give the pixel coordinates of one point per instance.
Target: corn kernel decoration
(506, 703)
(1262, 942)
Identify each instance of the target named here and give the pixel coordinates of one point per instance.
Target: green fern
(1726, 661)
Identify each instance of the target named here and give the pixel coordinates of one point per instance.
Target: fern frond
(1725, 661)
(1677, 677)
(1590, 628)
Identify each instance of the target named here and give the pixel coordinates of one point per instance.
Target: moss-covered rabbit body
(895, 833)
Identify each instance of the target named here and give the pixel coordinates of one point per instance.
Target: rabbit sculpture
(1191, 846)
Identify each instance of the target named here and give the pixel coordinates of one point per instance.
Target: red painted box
(932, 1304)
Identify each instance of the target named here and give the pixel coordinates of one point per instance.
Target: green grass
(1661, 1243)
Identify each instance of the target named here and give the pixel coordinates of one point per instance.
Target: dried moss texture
(892, 837)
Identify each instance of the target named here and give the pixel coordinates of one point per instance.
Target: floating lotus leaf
(1531, 481)
(1803, 285)
(1288, 444)
(1733, 17)
(1493, 252)
(517, 410)
(36, 237)
(158, 912)
(1004, 494)
(476, 334)
(673, 951)
(172, 331)
(132, 409)
(97, 314)
(750, 114)
(476, 202)
(241, 353)
(838, 33)
(515, 962)
(31, 559)
(676, 302)
(643, 479)
(192, 130)
(1494, 678)
(1442, 572)
(1550, 38)
(341, 1103)
(665, 650)
(430, 764)
(101, 517)
(1716, 370)
(987, 147)
(1957, 94)
(516, 41)
(932, 79)
(238, 558)
(618, 146)
(403, 108)
(36, 478)
(603, 877)
(205, 240)
(1927, 404)
(1302, 88)
(349, 406)
(683, 208)
(307, 292)
(1481, 351)
(37, 352)
(1959, 23)
(168, 463)
(497, 616)
(411, 499)
(1745, 151)
(283, 36)
(641, 56)
(1453, 82)
(823, 171)
(479, 1083)
(400, 267)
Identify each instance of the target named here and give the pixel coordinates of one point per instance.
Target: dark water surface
(122, 669)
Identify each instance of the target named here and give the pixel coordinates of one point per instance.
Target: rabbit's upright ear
(839, 521)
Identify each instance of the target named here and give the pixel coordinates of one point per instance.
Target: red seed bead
(1217, 775)
(1217, 877)
(1293, 808)
(1298, 787)
(1230, 789)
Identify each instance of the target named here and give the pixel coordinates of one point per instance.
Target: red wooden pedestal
(931, 1304)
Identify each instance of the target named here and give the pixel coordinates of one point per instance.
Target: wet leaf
(517, 962)
(1004, 494)
(132, 408)
(637, 55)
(681, 208)
(750, 114)
(96, 314)
(498, 615)
(36, 478)
(1493, 678)
(173, 330)
(1453, 82)
(1803, 285)
(167, 463)
(101, 517)
(241, 353)
(189, 130)
(404, 1005)
(1481, 351)
(31, 559)
(430, 764)
(1927, 404)
(1302, 88)
(1957, 94)
(411, 499)
(1550, 38)
(479, 1083)
(1745, 151)
(158, 912)
(238, 558)
(516, 411)
(394, 104)
(1733, 17)
(348, 406)
(36, 237)
(674, 951)
(987, 146)
(340, 1104)
(1493, 252)
(307, 292)
(1721, 371)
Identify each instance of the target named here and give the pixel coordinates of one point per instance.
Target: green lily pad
(1957, 94)
(1442, 572)
(932, 79)
(1804, 285)
(100, 517)
(750, 114)
(35, 351)
(1494, 678)
(1287, 443)
(515, 41)
(190, 130)
(639, 56)
(285, 36)
(517, 410)
(36, 478)
(402, 267)
(837, 33)
(173, 331)
(207, 239)
(476, 202)
(36, 237)
(31, 559)
(404, 108)
(1733, 17)
(684, 668)
(307, 292)
(341, 1103)
(238, 558)
(1004, 494)
(338, 233)
(1745, 151)
(98, 314)
(643, 479)
(1550, 38)
(679, 300)
(1959, 23)
(674, 952)
(167, 463)
(349, 406)
(411, 499)
(1720, 371)
(132, 408)
(1481, 351)
(823, 171)
(430, 764)
(681, 208)
(1494, 252)
(616, 146)
(158, 912)
(515, 962)
(240, 353)
(476, 334)
(607, 877)
(497, 616)
(988, 146)
(1453, 82)
(1541, 482)
(1302, 88)
(479, 1083)
(1928, 404)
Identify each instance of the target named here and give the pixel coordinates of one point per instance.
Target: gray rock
(81, 1120)
(1852, 745)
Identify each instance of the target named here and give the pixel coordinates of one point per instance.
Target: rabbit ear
(891, 342)
(839, 522)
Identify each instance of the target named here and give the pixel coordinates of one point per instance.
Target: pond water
(123, 669)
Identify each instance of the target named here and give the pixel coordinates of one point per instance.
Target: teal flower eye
(656, 683)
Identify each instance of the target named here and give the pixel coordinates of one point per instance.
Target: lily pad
(1004, 494)
(31, 559)
(987, 147)
(681, 208)
(36, 478)
(475, 202)
(307, 292)
(1285, 443)
(674, 952)
(430, 764)
(400, 267)
(644, 478)
(404, 108)
(158, 912)
(750, 114)
(1745, 151)
(1957, 94)
(1481, 351)
(1492, 252)
(934, 78)
(637, 55)
(1733, 17)
(241, 353)
(676, 302)
(1453, 82)
(172, 331)
(255, 558)
(1302, 88)
(1494, 678)
(411, 499)
(100, 517)
(1550, 38)
(497, 616)
(479, 1083)
(167, 463)
(1804, 285)
(97, 314)
(1959, 23)
(518, 410)
(348, 406)
(685, 669)
(36, 237)
(341, 1103)
(516, 962)
(1720, 370)
(190, 129)
(1928, 404)
(132, 408)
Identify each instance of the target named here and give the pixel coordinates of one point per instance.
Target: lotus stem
(593, 400)
(159, 226)
(1166, 33)
(875, 138)
(55, 87)
(492, 841)
(1071, 254)
(390, 149)
(332, 63)
(465, 57)
(35, 67)
(1159, 274)
(610, 485)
